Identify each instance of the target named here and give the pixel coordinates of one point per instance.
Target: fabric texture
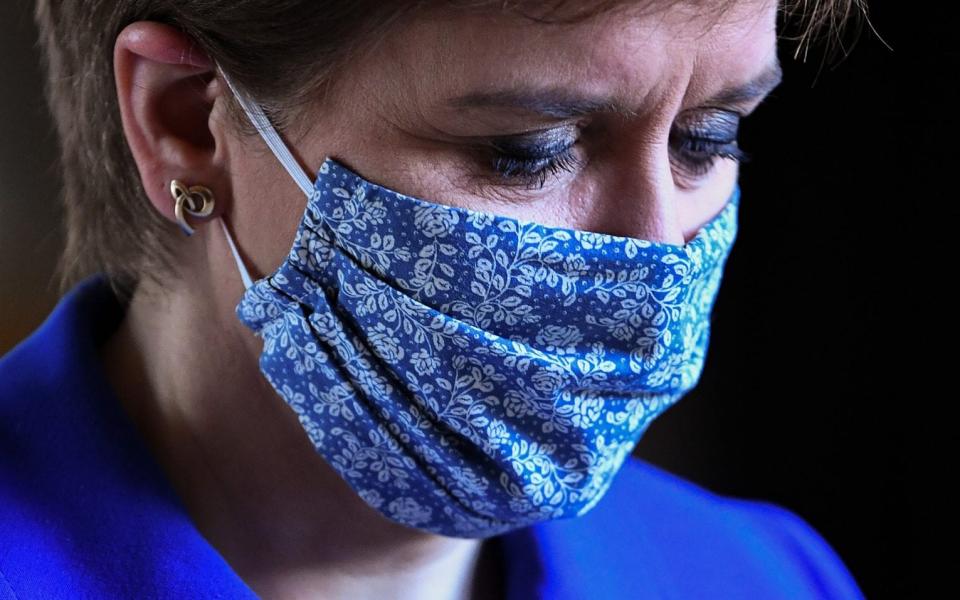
(86, 512)
(468, 373)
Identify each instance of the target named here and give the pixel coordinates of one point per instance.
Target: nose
(636, 197)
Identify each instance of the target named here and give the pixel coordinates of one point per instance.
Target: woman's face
(622, 124)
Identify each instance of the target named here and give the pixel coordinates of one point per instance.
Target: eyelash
(699, 154)
(532, 171)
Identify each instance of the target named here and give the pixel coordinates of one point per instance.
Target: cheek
(582, 203)
(266, 217)
(697, 207)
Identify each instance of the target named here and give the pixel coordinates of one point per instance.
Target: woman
(404, 348)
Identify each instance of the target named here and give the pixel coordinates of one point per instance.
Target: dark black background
(802, 399)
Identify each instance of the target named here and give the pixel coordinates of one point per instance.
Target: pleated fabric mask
(469, 373)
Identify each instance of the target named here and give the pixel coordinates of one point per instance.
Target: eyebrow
(561, 103)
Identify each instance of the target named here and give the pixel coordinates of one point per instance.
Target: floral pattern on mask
(469, 373)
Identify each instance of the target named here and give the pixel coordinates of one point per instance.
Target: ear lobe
(165, 96)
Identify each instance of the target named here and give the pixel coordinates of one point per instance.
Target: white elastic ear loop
(279, 149)
(244, 274)
(272, 138)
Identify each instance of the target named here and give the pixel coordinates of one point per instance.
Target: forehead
(640, 50)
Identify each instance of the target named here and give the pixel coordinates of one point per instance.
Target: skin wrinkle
(559, 103)
(186, 370)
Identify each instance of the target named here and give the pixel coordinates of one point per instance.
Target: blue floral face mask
(468, 373)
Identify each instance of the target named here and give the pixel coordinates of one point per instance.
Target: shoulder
(659, 531)
(41, 421)
(741, 544)
(85, 512)
(46, 377)
(54, 355)
(54, 440)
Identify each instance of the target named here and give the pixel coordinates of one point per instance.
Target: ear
(166, 90)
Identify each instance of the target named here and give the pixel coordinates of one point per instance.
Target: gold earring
(196, 200)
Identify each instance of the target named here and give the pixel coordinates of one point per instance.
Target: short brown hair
(266, 47)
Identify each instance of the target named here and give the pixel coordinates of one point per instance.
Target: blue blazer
(86, 512)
